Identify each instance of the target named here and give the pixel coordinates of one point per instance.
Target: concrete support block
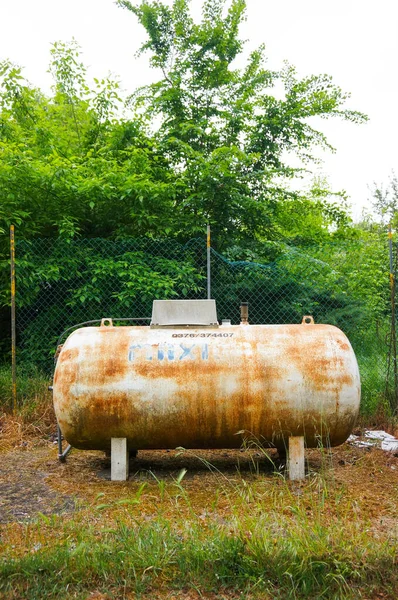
(119, 459)
(296, 458)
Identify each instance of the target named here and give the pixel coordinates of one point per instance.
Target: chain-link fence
(61, 283)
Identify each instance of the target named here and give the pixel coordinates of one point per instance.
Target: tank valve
(244, 313)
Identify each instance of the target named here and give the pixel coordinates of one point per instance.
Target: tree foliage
(385, 201)
(70, 166)
(226, 132)
(81, 162)
(208, 142)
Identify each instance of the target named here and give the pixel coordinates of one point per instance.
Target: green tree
(207, 143)
(223, 129)
(71, 164)
(385, 201)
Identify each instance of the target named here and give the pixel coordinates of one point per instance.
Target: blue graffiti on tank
(168, 352)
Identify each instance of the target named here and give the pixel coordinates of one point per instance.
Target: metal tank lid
(180, 313)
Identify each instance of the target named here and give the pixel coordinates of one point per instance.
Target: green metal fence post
(393, 325)
(13, 325)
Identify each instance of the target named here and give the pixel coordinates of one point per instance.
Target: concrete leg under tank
(296, 458)
(119, 459)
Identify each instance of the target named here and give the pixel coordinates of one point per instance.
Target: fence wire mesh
(61, 283)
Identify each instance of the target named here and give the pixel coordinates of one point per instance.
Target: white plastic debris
(390, 445)
(379, 438)
(355, 440)
(379, 435)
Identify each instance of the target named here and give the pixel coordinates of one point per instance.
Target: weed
(297, 558)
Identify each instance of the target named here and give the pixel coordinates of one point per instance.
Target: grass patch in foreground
(272, 558)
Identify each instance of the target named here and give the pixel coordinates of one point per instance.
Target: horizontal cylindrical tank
(203, 387)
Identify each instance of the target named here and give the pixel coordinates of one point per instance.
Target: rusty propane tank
(185, 381)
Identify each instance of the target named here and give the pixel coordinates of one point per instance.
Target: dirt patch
(348, 492)
(24, 491)
(33, 481)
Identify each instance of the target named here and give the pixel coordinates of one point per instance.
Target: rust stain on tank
(161, 390)
(343, 345)
(315, 365)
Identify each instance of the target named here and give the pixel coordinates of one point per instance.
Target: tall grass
(279, 540)
(32, 390)
(267, 548)
(373, 383)
(33, 418)
(271, 539)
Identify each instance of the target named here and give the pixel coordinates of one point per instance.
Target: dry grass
(342, 520)
(190, 525)
(33, 419)
(18, 431)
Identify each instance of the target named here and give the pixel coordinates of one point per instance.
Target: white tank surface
(202, 386)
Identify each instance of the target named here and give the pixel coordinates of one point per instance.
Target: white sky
(355, 41)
